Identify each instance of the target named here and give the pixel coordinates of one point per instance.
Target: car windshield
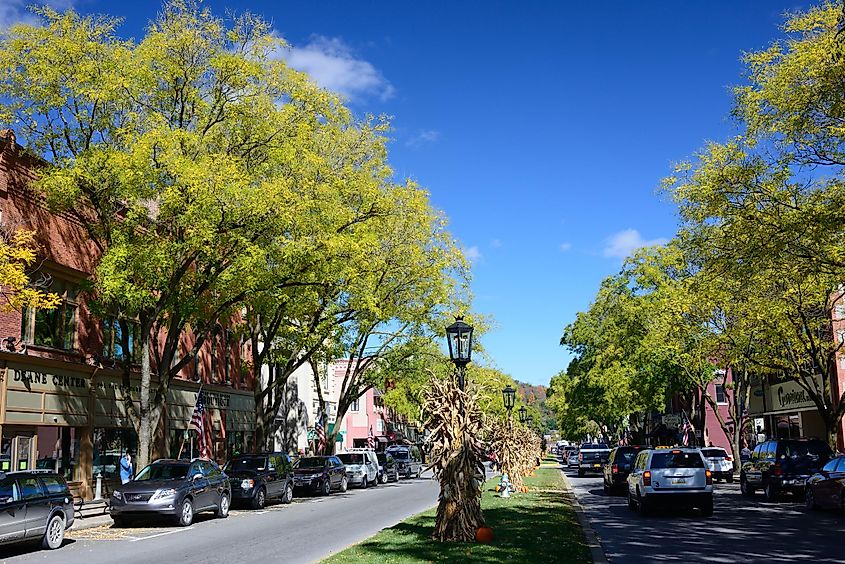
(254, 463)
(400, 454)
(678, 459)
(351, 458)
(168, 471)
(714, 453)
(802, 449)
(311, 462)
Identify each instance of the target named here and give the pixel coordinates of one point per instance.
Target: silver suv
(361, 467)
(670, 475)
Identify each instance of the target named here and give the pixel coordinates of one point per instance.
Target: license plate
(679, 480)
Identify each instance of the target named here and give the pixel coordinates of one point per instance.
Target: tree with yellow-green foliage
(18, 290)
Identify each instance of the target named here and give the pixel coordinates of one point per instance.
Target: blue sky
(542, 129)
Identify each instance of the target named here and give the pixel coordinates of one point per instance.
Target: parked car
(572, 459)
(619, 465)
(255, 478)
(34, 504)
(320, 474)
(783, 465)
(826, 488)
(677, 476)
(719, 462)
(388, 471)
(361, 467)
(591, 457)
(408, 460)
(173, 488)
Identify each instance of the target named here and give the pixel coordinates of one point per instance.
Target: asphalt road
(741, 530)
(308, 530)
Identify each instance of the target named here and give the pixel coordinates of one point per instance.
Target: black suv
(388, 471)
(256, 477)
(615, 472)
(783, 465)
(34, 504)
(175, 488)
(320, 474)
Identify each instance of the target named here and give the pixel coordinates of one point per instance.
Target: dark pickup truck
(592, 457)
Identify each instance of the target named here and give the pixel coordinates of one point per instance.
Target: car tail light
(580, 457)
(646, 478)
(615, 469)
(777, 470)
(729, 458)
(709, 475)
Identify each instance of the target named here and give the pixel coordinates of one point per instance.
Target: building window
(380, 425)
(720, 394)
(113, 340)
(56, 327)
(354, 406)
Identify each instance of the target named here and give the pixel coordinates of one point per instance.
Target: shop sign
(790, 396)
(672, 420)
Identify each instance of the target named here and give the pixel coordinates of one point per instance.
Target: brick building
(61, 405)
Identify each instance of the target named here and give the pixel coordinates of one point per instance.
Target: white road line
(162, 534)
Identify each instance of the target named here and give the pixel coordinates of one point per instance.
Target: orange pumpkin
(498, 488)
(484, 534)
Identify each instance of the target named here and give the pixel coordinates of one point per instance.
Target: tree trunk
(145, 416)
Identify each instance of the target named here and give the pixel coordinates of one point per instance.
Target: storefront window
(58, 450)
(6, 454)
(787, 426)
(109, 446)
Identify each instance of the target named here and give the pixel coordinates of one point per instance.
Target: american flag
(320, 431)
(371, 442)
(198, 424)
(686, 429)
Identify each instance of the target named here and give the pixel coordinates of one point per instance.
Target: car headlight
(117, 495)
(163, 494)
(247, 484)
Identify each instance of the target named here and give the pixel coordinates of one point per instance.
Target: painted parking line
(162, 534)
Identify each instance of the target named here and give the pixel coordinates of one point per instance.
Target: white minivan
(677, 476)
(361, 467)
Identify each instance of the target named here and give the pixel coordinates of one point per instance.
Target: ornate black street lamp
(459, 337)
(523, 414)
(508, 397)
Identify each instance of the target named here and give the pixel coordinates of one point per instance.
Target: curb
(90, 522)
(593, 542)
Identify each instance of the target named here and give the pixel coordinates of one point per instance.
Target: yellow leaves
(17, 254)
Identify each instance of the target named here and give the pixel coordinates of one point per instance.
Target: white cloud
(422, 137)
(565, 247)
(15, 11)
(624, 243)
(472, 253)
(332, 64)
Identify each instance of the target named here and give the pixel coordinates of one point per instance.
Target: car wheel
(730, 479)
(746, 490)
(707, 508)
(186, 514)
(810, 499)
(631, 503)
(643, 505)
(287, 497)
(770, 492)
(327, 487)
(344, 484)
(223, 507)
(384, 477)
(55, 533)
(408, 474)
(260, 499)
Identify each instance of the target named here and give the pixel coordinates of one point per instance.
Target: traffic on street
(308, 529)
(741, 528)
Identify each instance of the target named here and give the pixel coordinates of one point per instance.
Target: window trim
(28, 316)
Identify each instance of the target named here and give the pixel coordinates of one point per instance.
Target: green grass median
(538, 526)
